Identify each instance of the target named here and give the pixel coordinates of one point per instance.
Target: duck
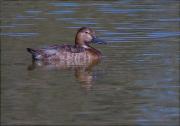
(79, 52)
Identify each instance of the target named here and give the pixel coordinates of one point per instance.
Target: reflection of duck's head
(81, 50)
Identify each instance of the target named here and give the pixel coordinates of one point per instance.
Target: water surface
(136, 82)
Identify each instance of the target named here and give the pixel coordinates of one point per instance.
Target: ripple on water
(112, 10)
(21, 17)
(61, 12)
(167, 20)
(64, 4)
(82, 21)
(33, 11)
(19, 34)
(160, 34)
(129, 36)
(140, 71)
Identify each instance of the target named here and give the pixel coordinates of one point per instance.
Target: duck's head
(85, 36)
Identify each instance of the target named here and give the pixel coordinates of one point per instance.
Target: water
(136, 83)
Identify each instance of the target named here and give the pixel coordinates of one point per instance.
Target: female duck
(80, 51)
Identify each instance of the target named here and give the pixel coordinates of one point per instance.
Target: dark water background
(136, 83)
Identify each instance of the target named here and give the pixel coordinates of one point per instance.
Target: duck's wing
(46, 52)
(65, 48)
(72, 48)
(38, 54)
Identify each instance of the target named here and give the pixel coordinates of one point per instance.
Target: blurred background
(136, 83)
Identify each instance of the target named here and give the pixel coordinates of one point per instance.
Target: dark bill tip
(98, 41)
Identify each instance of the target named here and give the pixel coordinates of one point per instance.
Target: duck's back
(59, 52)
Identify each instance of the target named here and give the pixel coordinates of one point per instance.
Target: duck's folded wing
(48, 52)
(54, 51)
(38, 54)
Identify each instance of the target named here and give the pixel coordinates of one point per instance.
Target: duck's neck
(90, 48)
(96, 50)
(79, 40)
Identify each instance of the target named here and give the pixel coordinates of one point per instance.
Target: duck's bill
(98, 41)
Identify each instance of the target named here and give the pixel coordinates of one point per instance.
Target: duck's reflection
(82, 70)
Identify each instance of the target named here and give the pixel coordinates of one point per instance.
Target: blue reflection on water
(7, 26)
(85, 22)
(156, 114)
(14, 25)
(19, 34)
(138, 28)
(163, 34)
(61, 12)
(19, 16)
(151, 54)
(127, 11)
(134, 36)
(82, 21)
(116, 33)
(65, 4)
(176, 19)
(33, 11)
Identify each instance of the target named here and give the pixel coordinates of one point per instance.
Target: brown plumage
(79, 52)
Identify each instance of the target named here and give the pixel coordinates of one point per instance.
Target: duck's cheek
(88, 39)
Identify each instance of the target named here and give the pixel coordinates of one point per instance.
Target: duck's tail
(32, 51)
(35, 53)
